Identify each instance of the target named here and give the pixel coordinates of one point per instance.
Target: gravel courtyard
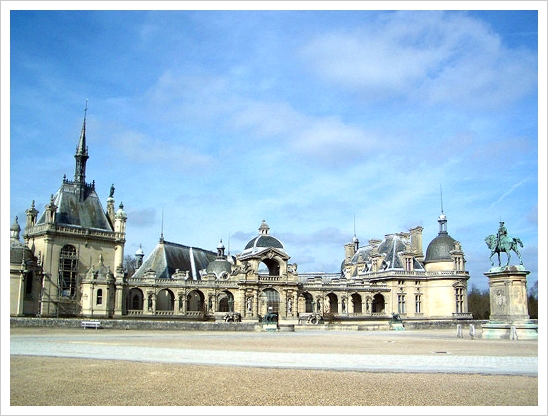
(60, 380)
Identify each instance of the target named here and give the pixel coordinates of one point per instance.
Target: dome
(121, 213)
(440, 248)
(263, 241)
(219, 267)
(19, 252)
(139, 251)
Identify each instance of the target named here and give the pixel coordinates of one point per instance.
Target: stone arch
(165, 300)
(135, 299)
(225, 302)
(333, 302)
(272, 300)
(377, 305)
(272, 264)
(195, 301)
(356, 301)
(308, 301)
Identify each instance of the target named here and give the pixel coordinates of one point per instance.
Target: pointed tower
(81, 157)
(71, 234)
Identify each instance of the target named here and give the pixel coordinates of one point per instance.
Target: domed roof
(218, 267)
(440, 248)
(262, 241)
(19, 252)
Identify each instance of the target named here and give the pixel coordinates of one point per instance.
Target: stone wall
(135, 324)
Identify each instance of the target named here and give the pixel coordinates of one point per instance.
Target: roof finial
(162, 233)
(86, 110)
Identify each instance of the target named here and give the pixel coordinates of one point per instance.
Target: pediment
(266, 253)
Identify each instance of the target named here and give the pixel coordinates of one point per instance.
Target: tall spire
(162, 233)
(441, 198)
(81, 155)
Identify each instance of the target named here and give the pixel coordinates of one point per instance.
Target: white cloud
(435, 58)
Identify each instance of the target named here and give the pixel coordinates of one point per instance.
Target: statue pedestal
(508, 298)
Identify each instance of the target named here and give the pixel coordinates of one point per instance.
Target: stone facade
(71, 236)
(77, 250)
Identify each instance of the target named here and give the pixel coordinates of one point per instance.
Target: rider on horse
(502, 236)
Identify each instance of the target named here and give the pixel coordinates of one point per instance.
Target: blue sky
(311, 120)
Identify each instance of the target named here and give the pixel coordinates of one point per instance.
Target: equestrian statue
(503, 243)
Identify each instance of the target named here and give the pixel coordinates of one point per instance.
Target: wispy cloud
(507, 193)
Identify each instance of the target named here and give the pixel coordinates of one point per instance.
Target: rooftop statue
(503, 243)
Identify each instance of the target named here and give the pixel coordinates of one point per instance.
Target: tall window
(99, 296)
(459, 299)
(28, 284)
(408, 264)
(418, 306)
(401, 303)
(68, 271)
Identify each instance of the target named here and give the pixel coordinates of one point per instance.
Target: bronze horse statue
(506, 245)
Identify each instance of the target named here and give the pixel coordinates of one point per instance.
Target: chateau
(71, 265)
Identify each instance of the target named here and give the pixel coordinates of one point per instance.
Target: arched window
(136, 299)
(272, 300)
(356, 303)
(333, 303)
(377, 306)
(165, 300)
(308, 302)
(272, 265)
(68, 271)
(226, 302)
(195, 301)
(99, 296)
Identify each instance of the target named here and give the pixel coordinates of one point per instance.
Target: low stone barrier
(134, 324)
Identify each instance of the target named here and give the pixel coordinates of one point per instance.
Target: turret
(139, 256)
(120, 219)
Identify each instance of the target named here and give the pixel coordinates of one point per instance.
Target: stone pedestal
(508, 300)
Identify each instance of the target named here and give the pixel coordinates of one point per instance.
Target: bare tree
(130, 263)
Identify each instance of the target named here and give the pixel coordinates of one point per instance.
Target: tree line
(479, 302)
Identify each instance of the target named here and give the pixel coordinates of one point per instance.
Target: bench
(91, 324)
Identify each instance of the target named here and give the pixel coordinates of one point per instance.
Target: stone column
(509, 317)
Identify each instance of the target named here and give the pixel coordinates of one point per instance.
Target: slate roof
(440, 248)
(168, 257)
(71, 211)
(390, 246)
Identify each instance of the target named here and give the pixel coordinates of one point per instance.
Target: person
(501, 235)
